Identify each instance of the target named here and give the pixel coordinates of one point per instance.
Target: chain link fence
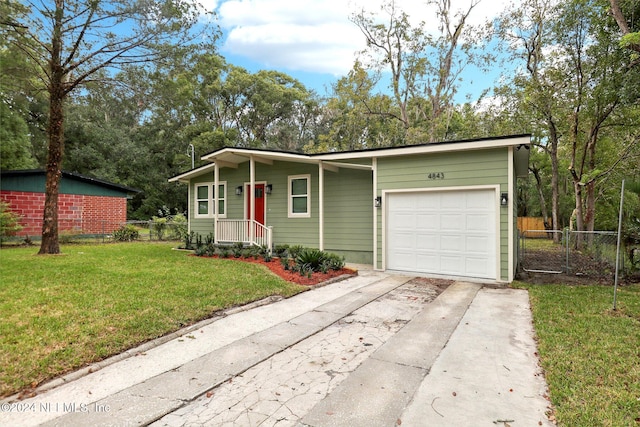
(103, 231)
(587, 254)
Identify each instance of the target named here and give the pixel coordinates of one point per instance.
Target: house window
(299, 196)
(202, 200)
(204, 206)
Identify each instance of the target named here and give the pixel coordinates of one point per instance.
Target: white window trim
(290, 196)
(210, 211)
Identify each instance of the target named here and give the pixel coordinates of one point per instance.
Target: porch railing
(243, 230)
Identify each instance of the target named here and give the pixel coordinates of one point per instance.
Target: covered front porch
(266, 198)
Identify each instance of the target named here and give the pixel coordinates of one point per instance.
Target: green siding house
(442, 209)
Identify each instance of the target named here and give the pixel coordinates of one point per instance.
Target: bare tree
(422, 65)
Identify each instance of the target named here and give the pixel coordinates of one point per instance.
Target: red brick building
(85, 205)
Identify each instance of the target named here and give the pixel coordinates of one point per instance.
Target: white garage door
(442, 232)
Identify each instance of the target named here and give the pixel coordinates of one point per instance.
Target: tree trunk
(543, 204)
(577, 185)
(50, 243)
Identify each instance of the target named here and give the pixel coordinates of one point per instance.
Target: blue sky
(314, 40)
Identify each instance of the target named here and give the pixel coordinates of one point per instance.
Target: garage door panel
(443, 232)
(451, 242)
(426, 242)
(476, 267)
(428, 222)
(450, 264)
(478, 245)
(404, 219)
(404, 260)
(479, 222)
(428, 260)
(404, 202)
(404, 241)
(451, 221)
(479, 199)
(450, 200)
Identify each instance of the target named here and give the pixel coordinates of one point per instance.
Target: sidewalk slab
(379, 389)
(419, 343)
(488, 373)
(373, 395)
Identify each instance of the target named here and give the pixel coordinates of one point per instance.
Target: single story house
(85, 205)
(446, 209)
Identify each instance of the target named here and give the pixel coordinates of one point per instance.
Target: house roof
(70, 175)
(233, 156)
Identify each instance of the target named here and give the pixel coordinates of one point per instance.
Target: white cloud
(313, 35)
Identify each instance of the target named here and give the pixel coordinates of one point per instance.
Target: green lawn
(590, 353)
(61, 312)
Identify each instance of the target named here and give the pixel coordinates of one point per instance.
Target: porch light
(378, 202)
(239, 190)
(268, 189)
(504, 199)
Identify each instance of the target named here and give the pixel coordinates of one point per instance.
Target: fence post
(615, 282)
(567, 232)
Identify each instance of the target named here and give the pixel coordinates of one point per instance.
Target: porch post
(252, 197)
(320, 206)
(374, 164)
(216, 178)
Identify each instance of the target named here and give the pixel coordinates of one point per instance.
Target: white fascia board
(262, 156)
(185, 177)
(348, 165)
(441, 147)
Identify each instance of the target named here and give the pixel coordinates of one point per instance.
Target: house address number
(435, 175)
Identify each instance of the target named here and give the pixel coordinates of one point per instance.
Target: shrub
(333, 261)
(180, 225)
(9, 221)
(126, 233)
(237, 249)
(159, 226)
(294, 251)
(192, 241)
(281, 250)
(311, 258)
(317, 260)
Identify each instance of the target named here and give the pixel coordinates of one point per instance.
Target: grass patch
(542, 244)
(590, 353)
(64, 311)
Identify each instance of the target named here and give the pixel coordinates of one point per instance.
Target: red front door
(259, 211)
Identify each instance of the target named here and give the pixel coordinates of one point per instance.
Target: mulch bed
(290, 276)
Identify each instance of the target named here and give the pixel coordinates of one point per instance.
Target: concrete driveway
(373, 350)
